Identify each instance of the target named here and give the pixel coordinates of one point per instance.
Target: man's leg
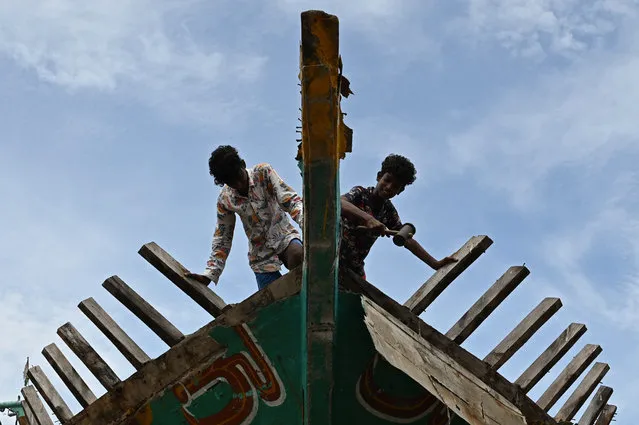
(265, 279)
(293, 255)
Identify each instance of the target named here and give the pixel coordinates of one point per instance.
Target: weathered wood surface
(115, 407)
(319, 78)
(487, 303)
(50, 395)
(443, 277)
(352, 282)
(568, 376)
(523, 332)
(585, 388)
(68, 375)
(438, 371)
(176, 273)
(143, 310)
(606, 415)
(37, 408)
(28, 413)
(101, 319)
(596, 406)
(93, 361)
(555, 351)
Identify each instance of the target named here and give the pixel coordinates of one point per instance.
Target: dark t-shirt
(356, 244)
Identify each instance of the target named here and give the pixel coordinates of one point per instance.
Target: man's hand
(204, 280)
(375, 226)
(444, 262)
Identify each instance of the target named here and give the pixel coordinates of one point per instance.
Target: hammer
(399, 236)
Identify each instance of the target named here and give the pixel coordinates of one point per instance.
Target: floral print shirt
(356, 244)
(263, 216)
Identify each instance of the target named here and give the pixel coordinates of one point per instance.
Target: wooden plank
(175, 272)
(50, 395)
(487, 303)
(555, 351)
(352, 282)
(28, 413)
(523, 332)
(582, 392)
(568, 376)
(319, 75)
(93, 361)
(129, 349)
(439, 372)
(37, 408)
(198, 349)
(143, 310)
(69, 375)
(606, 415)
(443, 277)
(596, 406)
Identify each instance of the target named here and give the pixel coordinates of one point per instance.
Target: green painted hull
(259, 378)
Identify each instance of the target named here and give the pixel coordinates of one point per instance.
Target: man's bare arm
(413, 246)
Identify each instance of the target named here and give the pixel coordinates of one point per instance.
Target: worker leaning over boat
(372, 208)
(261, 199)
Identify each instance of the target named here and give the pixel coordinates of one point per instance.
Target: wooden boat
(320, 345)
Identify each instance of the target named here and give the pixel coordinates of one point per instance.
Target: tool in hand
(399, 236)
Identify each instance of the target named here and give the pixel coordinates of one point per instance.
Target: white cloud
(143, 48)
(581, 117)
(536, 28)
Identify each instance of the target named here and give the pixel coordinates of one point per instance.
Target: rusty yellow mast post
(321, 118)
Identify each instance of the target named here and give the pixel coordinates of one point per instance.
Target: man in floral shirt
(372, 207)
(261, 199)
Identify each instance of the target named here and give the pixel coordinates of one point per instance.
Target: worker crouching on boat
(261, 199)
(372, 208)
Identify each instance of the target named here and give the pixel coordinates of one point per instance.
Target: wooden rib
(37, 408)
(443, 277)
(69, 375)
(49, 394)
(175, 272)
(129, 349)
(568, 376)
(143, 310)
(607, 414)
(487, 303)
(555, 351)
(582, 392)
(596, 406)
(522, 332)
(28, 413)
(93, 361)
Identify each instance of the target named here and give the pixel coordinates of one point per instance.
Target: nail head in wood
(68, 375)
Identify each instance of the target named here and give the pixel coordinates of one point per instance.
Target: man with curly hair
(372, 207)
(261, 199)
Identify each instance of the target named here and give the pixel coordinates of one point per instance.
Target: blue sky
(519, 115)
